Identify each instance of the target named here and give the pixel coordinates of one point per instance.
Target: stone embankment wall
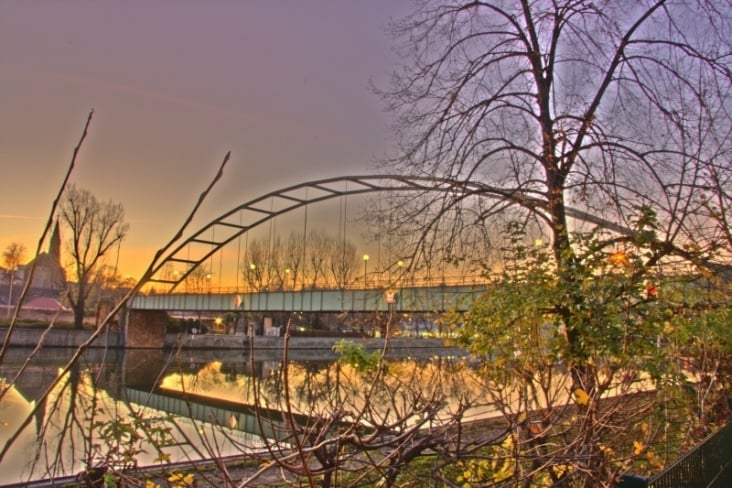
(304, 348)
(231, 341)
(25, 337)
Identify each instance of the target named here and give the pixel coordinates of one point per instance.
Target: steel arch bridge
(248, 215)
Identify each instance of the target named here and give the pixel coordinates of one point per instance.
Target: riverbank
(31, 337)
(229, 341)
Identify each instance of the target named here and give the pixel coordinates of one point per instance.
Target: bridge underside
(423, 299)
(147, 316)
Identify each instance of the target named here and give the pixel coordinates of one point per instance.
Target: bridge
(177, 264)
(180, 262)
(147, 315)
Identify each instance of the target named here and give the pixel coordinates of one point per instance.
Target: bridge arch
(297, 196)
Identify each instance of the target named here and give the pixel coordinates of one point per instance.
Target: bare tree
(198, 280)
(295, 258)
(96, 227)
(12, 257)
(570, 112)
(255, 266)
(342, 262)
(607, 108)
(320, 260)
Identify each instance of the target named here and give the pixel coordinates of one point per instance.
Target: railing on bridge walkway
(411, 299)
(708, 465)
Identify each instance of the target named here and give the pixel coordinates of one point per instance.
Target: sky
(174, 85)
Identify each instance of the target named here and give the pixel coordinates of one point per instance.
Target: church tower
(54, 248)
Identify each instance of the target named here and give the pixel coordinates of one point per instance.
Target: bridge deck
(418, 299)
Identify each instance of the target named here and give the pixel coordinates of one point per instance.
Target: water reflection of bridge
(214, 411)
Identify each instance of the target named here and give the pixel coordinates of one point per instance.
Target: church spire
(54, 248)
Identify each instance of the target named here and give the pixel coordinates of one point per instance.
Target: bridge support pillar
(145, 328)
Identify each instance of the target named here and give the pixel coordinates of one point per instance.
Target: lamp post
(252, 276)
(365, 265)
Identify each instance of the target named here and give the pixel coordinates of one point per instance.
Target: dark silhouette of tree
(96, 227)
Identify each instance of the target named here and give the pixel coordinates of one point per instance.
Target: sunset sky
(174, 85)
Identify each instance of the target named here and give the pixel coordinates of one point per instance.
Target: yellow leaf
(508, 443)
(505, 472)
(163, 457)
(581, 396)
(654, 460)
(607, 451)
(181, 480)
(150, 484)
(638, 447)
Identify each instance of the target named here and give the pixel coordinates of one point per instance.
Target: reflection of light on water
(14, 409)
(70, 421)
(316, 388)
(313, 391)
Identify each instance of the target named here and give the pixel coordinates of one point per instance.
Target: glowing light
(618, 258)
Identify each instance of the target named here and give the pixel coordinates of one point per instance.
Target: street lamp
(365, 264)
(400, 265)
(252, 276)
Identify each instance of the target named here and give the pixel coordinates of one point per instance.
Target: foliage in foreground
(654, 356)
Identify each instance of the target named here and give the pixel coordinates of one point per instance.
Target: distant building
(49, 277)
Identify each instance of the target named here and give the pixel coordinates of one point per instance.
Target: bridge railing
(384, 283)
(406, 299)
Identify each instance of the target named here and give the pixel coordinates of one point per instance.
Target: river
(145, 407)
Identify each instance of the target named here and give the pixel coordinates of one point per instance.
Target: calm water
(55, 419)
